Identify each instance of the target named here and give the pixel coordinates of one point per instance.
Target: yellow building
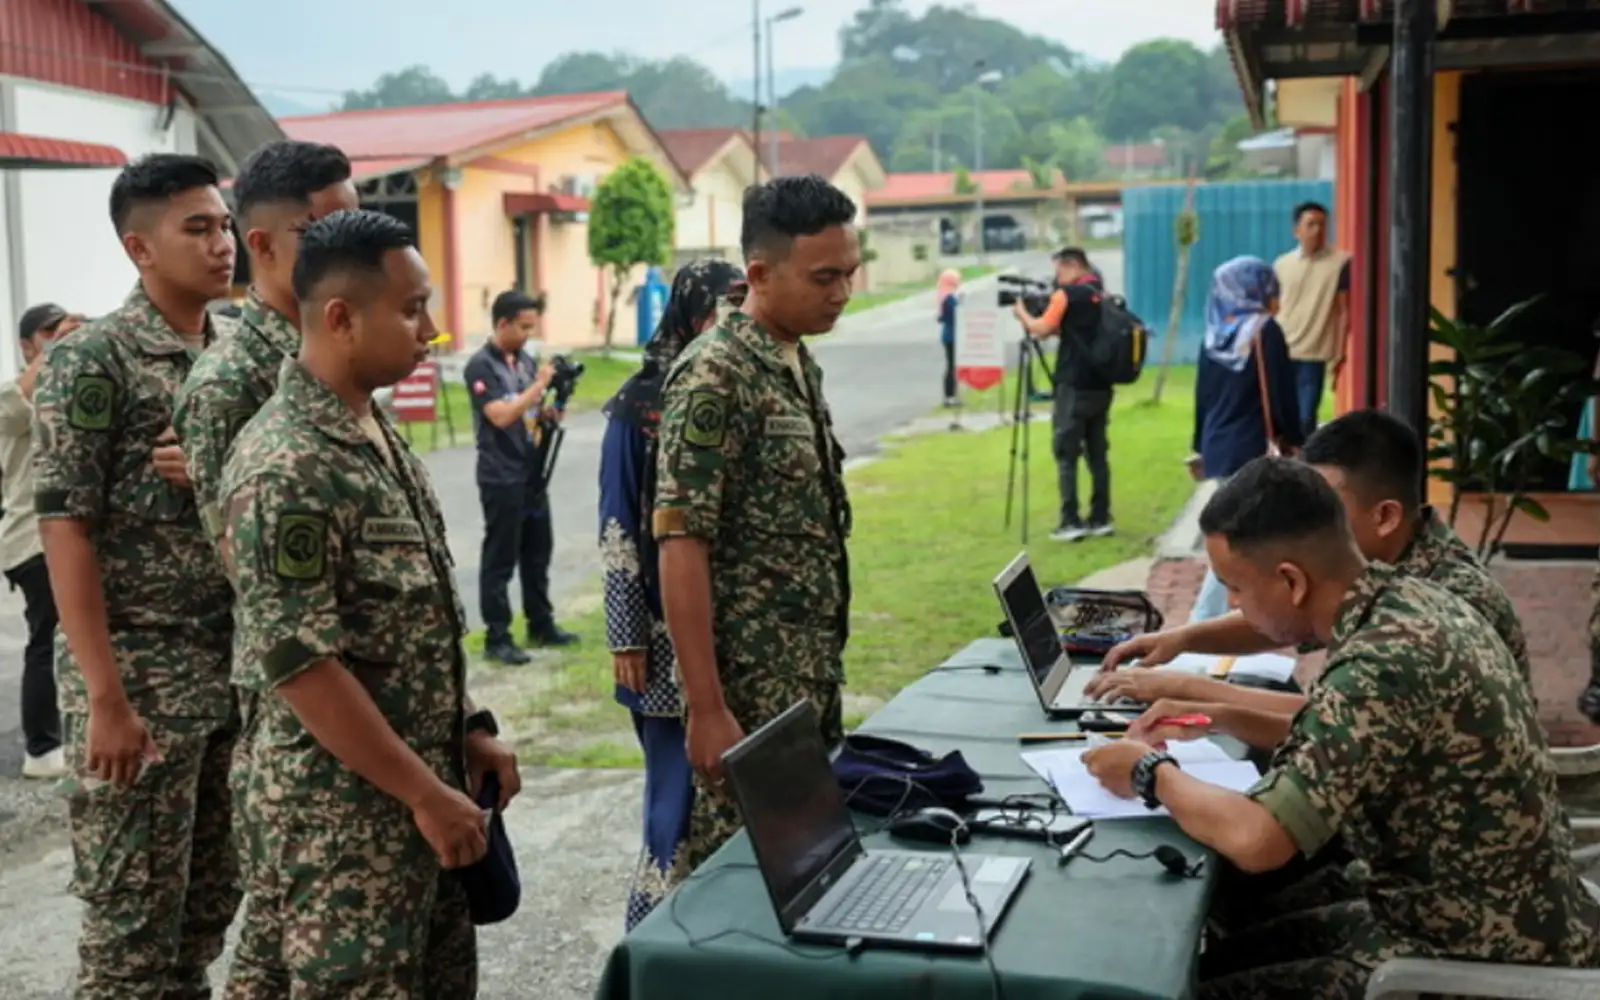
(721, 164)
(498, 192)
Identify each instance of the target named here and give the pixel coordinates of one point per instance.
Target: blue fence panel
(1238, 217)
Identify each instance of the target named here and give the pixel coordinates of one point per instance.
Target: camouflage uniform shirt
(229, 384)
(104, 396)
(749, 463)
(337, 554)
(1437, 555)
(1420, 747)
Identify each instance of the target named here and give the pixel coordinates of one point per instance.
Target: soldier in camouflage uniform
(350, 632)
(1419, 746)
(282, 188)
(750, 508)
(142, 654)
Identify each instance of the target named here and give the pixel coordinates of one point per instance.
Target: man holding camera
(507, 388)
(1082, 393)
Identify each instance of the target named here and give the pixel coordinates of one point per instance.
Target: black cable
(696, 942)
(1170, 857)
(988, 668)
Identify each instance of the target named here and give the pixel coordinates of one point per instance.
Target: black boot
(500, 649)
(548, 633)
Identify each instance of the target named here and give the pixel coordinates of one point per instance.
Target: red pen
(1193, 720)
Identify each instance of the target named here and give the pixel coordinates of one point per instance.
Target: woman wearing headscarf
(1244, 404)
(636, 631)
(947, 294)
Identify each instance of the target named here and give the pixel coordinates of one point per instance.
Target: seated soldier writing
(1374, 463)
(1418, 746)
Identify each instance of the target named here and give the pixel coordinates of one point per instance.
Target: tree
(631, 222)
(411, 87)
(1224, 159)
(1186, 233)
(1165, 82)
(1077, 149)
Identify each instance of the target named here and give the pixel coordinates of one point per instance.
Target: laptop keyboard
(888, 894)
(1071, 695)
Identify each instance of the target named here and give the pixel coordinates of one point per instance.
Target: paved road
(576, 831)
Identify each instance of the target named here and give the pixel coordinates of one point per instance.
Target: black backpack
(1121, 344)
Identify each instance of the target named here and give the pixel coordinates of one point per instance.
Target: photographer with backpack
(1083, 390)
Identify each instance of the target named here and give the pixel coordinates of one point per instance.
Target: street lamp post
(772, 86)
(992, 76)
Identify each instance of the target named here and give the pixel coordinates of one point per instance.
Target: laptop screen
(1036, 631)
(791, 803)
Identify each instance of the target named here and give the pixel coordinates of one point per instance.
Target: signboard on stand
(416, 397)
(980, 347)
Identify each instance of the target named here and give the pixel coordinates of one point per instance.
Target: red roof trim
(530, 203)
(32, 150)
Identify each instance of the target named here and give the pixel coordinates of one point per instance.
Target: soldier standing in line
(281, 189)
(350, 630)
(750, 507)
(1419, 747)
(143, 603)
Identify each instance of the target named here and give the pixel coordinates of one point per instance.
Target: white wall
(713, 219)
(70, 254)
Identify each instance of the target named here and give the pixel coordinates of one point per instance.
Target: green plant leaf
(1510, 316)
(1531, 507)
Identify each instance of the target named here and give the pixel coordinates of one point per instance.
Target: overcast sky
(314, 49)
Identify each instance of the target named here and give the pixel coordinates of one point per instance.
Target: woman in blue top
(948, 295)
(1244, 403)
(636, 631)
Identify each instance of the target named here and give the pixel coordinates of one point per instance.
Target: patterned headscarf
(696, 289)
(1242, 291)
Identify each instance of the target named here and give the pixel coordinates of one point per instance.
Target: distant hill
(786, 80)
(283, 107)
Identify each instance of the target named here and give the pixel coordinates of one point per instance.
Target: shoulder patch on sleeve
(706, 422)
(90, 409)
(301, 547)
(234, 420)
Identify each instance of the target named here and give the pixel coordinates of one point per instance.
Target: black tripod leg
(1018, 410)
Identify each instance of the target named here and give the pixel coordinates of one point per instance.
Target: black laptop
(824, 885)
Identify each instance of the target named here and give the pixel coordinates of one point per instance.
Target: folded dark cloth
(883, 777)
(494, 890)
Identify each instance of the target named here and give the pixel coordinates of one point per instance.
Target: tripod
(1028, 350)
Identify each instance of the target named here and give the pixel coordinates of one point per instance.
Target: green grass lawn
(895, 293)
(928, 540)
(602, 376)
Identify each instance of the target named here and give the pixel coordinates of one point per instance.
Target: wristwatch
(1144, 776)
(482, 721)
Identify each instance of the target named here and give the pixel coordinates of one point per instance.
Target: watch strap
(482, 721)
(1144, 776)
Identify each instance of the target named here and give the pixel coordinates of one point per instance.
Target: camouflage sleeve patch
(74, 432)
(285, 544)
(702, 434)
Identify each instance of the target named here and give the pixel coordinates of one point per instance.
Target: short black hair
(345, 243)
(287, 171)
(1309, 206)
(156, 178)
(777, 212)
(1378, 451)
(509, 305)
(42, 318)
(1073, 255)
(1272, 501)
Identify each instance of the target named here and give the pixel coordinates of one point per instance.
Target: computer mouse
(933, 825)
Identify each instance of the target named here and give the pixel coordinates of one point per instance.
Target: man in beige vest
(1315, 308)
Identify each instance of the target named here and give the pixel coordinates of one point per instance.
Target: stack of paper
(1268, 666)
(1063, 769)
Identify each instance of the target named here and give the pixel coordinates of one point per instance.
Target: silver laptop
(1056, 679)
(824, 885)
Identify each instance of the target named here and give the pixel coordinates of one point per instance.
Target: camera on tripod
(563, 378)
(1033, 294)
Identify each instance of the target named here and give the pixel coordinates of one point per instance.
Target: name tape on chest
(788, 427)
(392, 531)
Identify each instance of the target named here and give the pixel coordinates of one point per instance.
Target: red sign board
(980, 353)
(416, 397)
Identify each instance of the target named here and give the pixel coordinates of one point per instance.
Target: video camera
(1033, 294)
(563, 378)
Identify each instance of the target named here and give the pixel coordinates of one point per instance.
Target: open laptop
(824, 885)
(1058, 681)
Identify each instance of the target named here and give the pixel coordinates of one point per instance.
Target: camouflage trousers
(754, 702)
(258, 950)
(1243, 901)
(347, 901)
(1317, 954)
(154, 864)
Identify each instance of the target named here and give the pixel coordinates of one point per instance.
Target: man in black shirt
(1082, 394)
(506, 386)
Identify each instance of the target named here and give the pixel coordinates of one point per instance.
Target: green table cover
(1122, 929)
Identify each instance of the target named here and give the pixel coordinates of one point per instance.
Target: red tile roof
(435, 130)
(1299, 13)
(913, 186)
(826, 155)
(693, 148)
(382, 166)
(18, 150)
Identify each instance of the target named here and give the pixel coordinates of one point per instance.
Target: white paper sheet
(1270, 666)
(1063, 769)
